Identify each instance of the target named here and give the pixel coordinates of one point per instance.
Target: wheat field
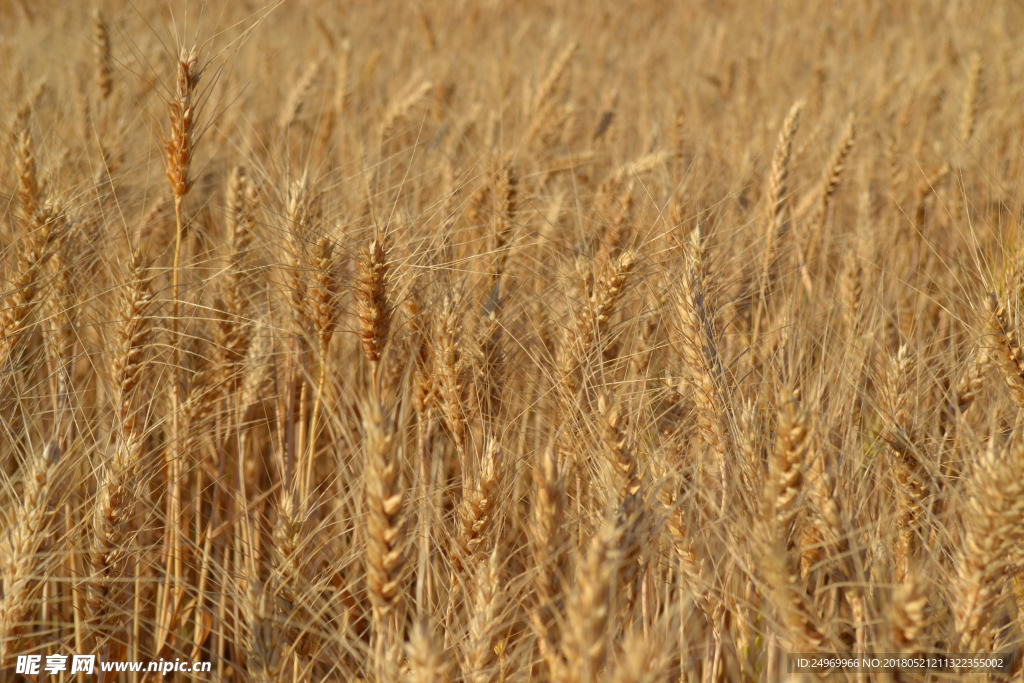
(481, 341)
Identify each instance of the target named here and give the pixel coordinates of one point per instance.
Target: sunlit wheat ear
(548, 543)
(698, 328)
(419, 335)
(543, 110)
(112, 543)
(583, 339)
(262, 636)
(426, 661)
(29, 193)
(1006, 353)
(374, 305)
(233, 327)
(179, 149)
(790, 456)
(19, 302)
(480, 658)
(834, 173)
(504, 222)
(620, 456)
(908, 614)
(909, 473)
(324, 290)
(449, 370)
(21, 563)
(385, 521)
(783, 486)
(852, 290)
(476, 513)
(403, 103)
(596, 597)
(779, 176)
(642, 659)
(994, 521)
(182, 111)
(972, 382)
(489, 380)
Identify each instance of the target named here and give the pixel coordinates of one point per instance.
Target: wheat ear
(1007, 354)
(374, 304)
(480, 659)
(832, 175)
(584, 339)
(778, 184)
(699, 347)
(969, 112)
(548, 542)
(594, 601)
(994, 521)
(110, 552)
(101, 50)
(20, 561)
(426, 663)
(385, 523)
(179, 149)
(324, 312)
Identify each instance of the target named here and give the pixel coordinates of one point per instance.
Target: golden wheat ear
(21, 563)
(374, 304)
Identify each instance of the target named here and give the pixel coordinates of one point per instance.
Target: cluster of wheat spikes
(492, 341)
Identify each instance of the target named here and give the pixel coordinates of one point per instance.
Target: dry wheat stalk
(233, 326)
(30, 194)
(623, 461)
(783, 485)
(401, 105)
(476, 511)
(179, 149)
(182, 111)
(547, 87)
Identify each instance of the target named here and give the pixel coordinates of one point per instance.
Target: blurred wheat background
(511, 341)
